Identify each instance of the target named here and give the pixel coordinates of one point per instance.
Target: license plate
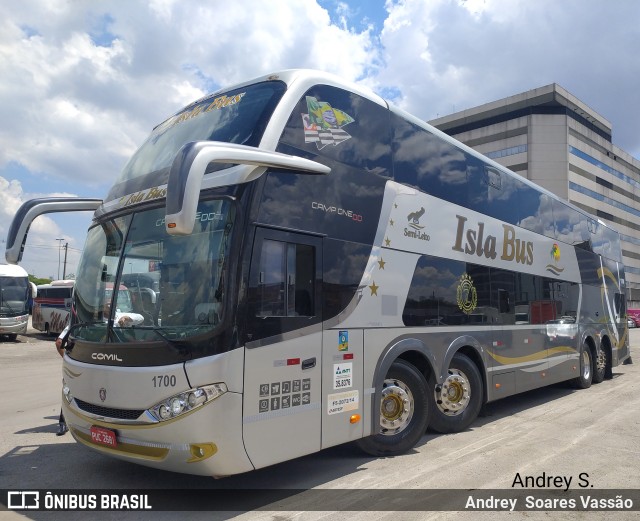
(103, 436)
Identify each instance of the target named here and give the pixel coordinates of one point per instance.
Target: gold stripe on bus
(540, 355)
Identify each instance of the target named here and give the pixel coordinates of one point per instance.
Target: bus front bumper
(14, 325)
(206, 441)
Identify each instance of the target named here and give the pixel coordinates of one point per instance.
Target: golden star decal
(391, 222)
(374, 289)
(395, 205)
(387, 242)
(381, 263)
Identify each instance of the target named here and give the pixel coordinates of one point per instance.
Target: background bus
(52, 305)
(14, 298)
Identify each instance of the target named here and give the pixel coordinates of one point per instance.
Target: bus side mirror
(19, 228)
(190, 165)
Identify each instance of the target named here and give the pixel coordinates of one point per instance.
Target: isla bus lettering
(475, 243)
(152, 193)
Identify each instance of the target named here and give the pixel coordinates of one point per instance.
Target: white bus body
(14, 301)
(307, 266)
(52, 305)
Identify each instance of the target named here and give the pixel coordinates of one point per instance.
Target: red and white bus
(51, 306)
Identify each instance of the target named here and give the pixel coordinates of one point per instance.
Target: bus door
(283, 354)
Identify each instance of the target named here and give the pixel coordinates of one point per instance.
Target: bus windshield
(13, 295)
(167, 286)
(238, 116)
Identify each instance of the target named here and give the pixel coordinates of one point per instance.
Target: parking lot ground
(591, 437)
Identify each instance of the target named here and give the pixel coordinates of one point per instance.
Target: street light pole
(59, 244)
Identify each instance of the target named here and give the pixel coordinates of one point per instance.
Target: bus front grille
(109, 412)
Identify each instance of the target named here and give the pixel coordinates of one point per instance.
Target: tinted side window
(284, 284)
(349, 134)
(444, 292)
(428, 163)
(536, 212)
(572, 226)
(344, 264)
(342, 126)
(503, 291)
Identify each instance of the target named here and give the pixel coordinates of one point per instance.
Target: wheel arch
(410, 350)
(590, 339)
(475, 355)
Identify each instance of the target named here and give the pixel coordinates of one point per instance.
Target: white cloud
(78, 108)
(449, 55)
(40, 254)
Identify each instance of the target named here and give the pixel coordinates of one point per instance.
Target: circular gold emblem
(466, 294)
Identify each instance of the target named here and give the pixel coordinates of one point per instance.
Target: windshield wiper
(177, 345)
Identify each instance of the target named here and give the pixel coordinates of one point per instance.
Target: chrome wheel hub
(586, 365)
(396, 407)
(454, 395)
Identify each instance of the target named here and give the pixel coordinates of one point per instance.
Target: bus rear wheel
(459, 398)
(586, 369)
(404, 412)
(602, 364)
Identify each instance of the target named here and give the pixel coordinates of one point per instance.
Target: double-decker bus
(310, 265)
(14, 301)
(51, 306)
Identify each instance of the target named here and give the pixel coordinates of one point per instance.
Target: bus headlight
(66, 392)
(187, 401)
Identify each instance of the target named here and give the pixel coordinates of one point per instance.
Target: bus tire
(583, 381)
(404, 412)
(601, 364)
(459, 399)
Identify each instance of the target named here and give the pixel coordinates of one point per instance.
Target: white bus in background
(51, 306)
(14, 296)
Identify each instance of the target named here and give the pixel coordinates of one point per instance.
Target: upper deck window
(342, 126)
(238, 116)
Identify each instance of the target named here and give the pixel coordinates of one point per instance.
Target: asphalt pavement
(580, 440)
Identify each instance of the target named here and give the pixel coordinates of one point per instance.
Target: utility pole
(64, 269)
(59, 244)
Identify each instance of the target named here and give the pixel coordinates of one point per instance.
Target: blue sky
(82, 83)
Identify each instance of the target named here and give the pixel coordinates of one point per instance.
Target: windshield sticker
(323, 124)
(343, 402)
(218, 103)
(343, 341)
(555, 256)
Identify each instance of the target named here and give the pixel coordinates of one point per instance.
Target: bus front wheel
(459, 398)
(404, 412)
